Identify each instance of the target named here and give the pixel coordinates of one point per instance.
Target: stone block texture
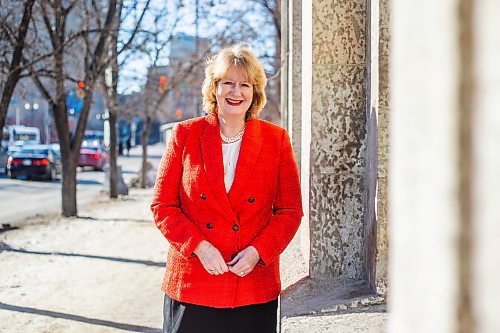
(382, 243)
(338, 142)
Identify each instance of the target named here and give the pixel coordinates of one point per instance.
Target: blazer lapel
(211, 150)
(247, 158)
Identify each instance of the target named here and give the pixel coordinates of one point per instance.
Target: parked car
(93, 156)
(4, 156)
(18, 145)
(93, 138)
(35, 161)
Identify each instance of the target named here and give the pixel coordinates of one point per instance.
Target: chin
(234, 113)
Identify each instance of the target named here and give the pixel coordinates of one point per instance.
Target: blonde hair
(239, 56)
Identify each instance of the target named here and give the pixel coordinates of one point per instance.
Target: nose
(236, 91)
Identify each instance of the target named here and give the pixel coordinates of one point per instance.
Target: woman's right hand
(210, 258)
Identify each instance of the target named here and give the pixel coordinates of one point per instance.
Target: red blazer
(263, 208)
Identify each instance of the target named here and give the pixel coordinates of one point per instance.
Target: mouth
(233, 102)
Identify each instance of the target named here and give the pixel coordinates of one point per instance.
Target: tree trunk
(113, 166)
(69, 159)
(113, 106)
(68, 190)
(144, 142)
(8, 90)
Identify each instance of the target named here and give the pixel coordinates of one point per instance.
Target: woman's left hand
(245, 261)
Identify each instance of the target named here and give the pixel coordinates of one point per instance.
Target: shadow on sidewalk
(7, 248)
(99, 322)
(87, 182)
(115, 219)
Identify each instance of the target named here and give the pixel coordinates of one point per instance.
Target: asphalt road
(21, 199)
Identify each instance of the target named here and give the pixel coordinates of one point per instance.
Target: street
(20, 199)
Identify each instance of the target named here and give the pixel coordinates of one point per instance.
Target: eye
(227, 83)
(246, 85)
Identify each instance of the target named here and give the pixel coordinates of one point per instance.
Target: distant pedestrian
(227, 198)
(129, 145)
(120, 147)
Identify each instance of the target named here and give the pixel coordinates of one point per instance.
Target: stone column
(485, 262)
(284, 64)
(424, 167)
(381, 13)
(377, 145)
(334, 136)
(294, 88)
(444, 169)
(295, 75)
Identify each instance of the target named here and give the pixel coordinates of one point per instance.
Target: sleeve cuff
(188, 250)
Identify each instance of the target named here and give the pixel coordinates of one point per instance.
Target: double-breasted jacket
(190, 204)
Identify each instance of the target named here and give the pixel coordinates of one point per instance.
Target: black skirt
(180, 317)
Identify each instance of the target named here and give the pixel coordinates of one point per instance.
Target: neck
(231, 127)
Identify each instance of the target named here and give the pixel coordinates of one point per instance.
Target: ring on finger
(242, 273)
(212, 271)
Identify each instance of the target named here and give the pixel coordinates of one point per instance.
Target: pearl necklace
(238, 136)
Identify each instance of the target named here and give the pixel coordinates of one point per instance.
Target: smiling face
(234, 94)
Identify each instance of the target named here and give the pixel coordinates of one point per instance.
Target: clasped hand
(211, 259)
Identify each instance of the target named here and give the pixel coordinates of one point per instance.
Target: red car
(93, 156)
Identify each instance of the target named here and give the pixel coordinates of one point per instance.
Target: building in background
(173, 91)
(183, 76)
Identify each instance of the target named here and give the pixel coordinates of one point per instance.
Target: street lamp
(31, 108)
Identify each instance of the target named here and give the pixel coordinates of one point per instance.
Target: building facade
(181, 80)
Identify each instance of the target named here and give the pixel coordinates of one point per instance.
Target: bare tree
(111, 96)
(92, 31)
(13, 37)
(111, 76)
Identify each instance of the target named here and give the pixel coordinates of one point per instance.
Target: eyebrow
(236, 81)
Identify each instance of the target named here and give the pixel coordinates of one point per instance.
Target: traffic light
(162, 84)
(80, 93)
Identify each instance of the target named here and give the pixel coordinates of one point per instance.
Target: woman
(227, 198)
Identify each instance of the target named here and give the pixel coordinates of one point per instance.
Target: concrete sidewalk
(102, 271)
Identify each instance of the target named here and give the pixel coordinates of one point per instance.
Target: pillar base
(314, 297)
